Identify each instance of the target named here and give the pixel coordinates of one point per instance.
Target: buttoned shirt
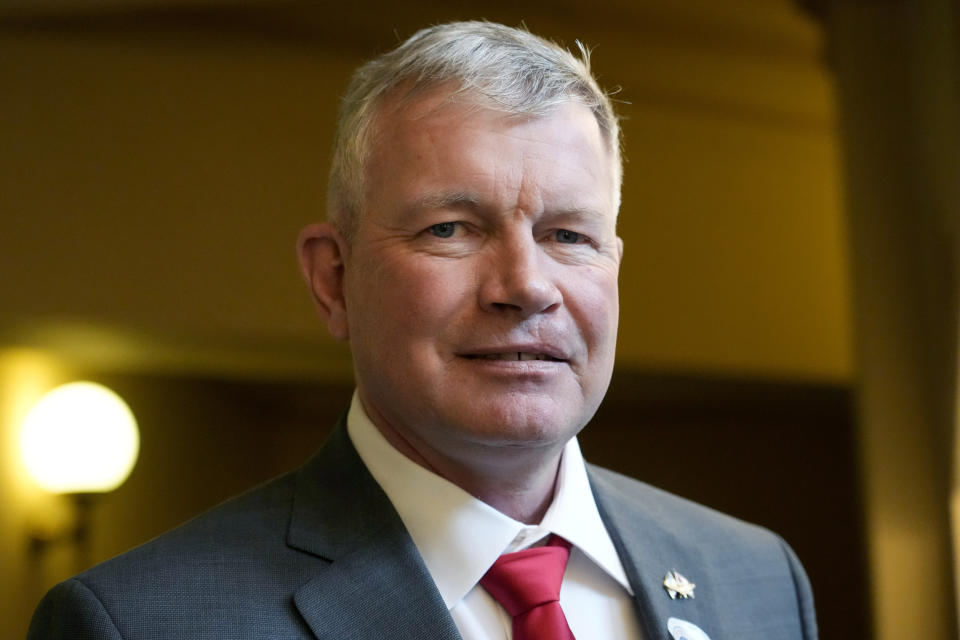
(459, 537)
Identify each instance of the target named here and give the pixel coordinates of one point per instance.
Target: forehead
(442, 135)
(409, 102)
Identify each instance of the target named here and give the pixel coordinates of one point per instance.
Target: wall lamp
(80, 440)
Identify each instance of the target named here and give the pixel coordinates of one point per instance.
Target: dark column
(897, 73)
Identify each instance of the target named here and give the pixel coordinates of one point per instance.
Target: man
(471, 260)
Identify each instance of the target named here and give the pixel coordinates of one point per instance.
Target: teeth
(516, 356)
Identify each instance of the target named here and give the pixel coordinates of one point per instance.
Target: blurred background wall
(789, 293)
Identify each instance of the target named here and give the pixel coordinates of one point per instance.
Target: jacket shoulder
(71, 610)
(252, 521)
(674, 513)
(756, 586)
(232, 558)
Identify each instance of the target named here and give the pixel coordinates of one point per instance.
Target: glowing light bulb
(80, 438)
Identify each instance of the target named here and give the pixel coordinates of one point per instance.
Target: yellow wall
(156, 167)
(154, 179)
(898, 72)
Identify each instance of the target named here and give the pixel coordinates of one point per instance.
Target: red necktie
(527, 584)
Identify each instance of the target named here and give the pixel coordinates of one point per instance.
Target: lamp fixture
(80, 438)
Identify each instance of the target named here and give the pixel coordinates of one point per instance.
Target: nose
(516, 279)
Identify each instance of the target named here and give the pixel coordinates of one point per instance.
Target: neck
(524, 495)
(516, 481)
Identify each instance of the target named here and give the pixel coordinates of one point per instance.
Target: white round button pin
(683, 630)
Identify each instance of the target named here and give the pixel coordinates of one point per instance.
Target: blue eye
(568, 237)
(443, 229)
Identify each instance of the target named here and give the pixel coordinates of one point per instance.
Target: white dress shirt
(459, 537)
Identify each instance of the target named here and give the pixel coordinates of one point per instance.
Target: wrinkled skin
(479, 294)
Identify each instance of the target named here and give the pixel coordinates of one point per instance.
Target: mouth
(515, 356)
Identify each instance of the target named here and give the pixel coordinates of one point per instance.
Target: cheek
(403, 299)
(594, 303)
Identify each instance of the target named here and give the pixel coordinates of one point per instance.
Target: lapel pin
(677, 586)
(683, 630)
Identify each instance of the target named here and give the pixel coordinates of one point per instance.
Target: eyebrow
(469, 202)
(452, 200)
(579, 212)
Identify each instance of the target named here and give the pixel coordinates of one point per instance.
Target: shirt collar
(458, 536)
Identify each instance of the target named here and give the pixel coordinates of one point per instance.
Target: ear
(322, 251)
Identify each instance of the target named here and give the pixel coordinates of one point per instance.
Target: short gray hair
(509, 69)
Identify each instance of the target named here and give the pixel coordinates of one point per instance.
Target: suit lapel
(648, 549)
(376, 584)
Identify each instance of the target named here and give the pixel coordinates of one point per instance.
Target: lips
(514, 356)
(516, 352)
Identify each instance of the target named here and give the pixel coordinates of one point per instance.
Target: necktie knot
(527, 584)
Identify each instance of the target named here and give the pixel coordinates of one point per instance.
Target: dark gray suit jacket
(321, 553)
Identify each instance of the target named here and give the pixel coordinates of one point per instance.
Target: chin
(521, 424)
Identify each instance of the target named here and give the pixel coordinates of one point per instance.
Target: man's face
(481, 286)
